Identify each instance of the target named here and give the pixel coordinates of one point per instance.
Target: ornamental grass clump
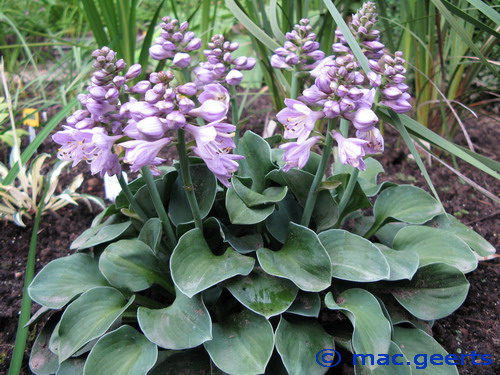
(243, 259)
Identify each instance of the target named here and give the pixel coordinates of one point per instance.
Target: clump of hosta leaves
(255, 291)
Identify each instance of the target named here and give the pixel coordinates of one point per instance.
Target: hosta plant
(248, 258)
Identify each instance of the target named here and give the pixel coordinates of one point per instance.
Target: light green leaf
(436, 246)
(71, 366)
(242, 344)
(195, 268)
(402, 263)
(302, 259)
(42, 361)
(353, 257)
(184, 324)
(306, 304)
(435, 291)
(151, 233)
(405, 203)
(253, 198)
(63, 279)
(286, 211)
(451, 224)
(388, 231)
(262, 293)
(130, 265)
(418, 346)
(123, 351)
(105, 234)
(88, 317)
(298, 342)
(372, 330)
(240, 213)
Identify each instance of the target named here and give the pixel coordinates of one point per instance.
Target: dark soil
(473, 327)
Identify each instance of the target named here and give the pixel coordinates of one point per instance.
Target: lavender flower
(175, 42)
(351, 150)
(222, 66)
(300, 49)
(375, 141)
(141, 153)
(298, 119)
(297, 154)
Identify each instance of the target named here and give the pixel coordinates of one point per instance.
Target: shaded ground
(473, 327)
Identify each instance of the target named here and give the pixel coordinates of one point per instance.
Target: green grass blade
(144, 56)
(396, 121)
(468, 18)
(22, 331)
(484, 8)
(428, 135)
(132, 31)
(462, 33)
(95, 23)
(205, 19)
(273, 19)
(260, 34)
(44, 133)
(353, 44)
(387, 26)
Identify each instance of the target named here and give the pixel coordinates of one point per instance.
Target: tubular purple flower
(278, 62)
(188, 89)
(351, 150)
(157, 52)
(375, 141)
(298, 119)
(141, 87)
(181, 60)
(297, 154)
(234, 77)
(152, 127)
(364, 119)
(210, 110)
(133, 72)
(215, 92)
(175, 120)
(141, 153)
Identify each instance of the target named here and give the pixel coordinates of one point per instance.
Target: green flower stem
(130, 198)
(348, 191)
(159, 207)
(235, 113)
(22, 331)
(375, 227)
(186, 178)
(295, 85)
(313, 193)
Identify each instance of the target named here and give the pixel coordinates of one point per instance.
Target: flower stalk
(159, 207)
(318, 177)
(130, 198)
(235, 113)
(186, 178)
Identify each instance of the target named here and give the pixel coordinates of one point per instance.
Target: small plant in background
(240, 258)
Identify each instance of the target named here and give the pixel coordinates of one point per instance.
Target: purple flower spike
(142, 153)
(297, 154)
(211, 110)
(351, 150)
(234, 77)
(375, 141)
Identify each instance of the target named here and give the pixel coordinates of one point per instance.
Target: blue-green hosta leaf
(71, 366)
(386, 364)
(435, 291)
(388, 231)
(402, 263)
(243, 243)
(451, 224)
(298, 342)
(262, 293)
(205, 188)
(240, 213)
(302, 259)
(185, 324)
(297, 180)
(195, 268)
(353, 257)
(193, 361)
(253, 198)
(372, 330)
(306, 304)
(436, 246)
(242, 344)
(42, 361)
(406, 203)
(151, 233)
(130, 265)
(418, 347)
(286, 211)
(63, 279)
(105, 234)
(123, 351)
(257, 163)
(88, 317)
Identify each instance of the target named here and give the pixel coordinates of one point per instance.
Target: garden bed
(473, 327)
